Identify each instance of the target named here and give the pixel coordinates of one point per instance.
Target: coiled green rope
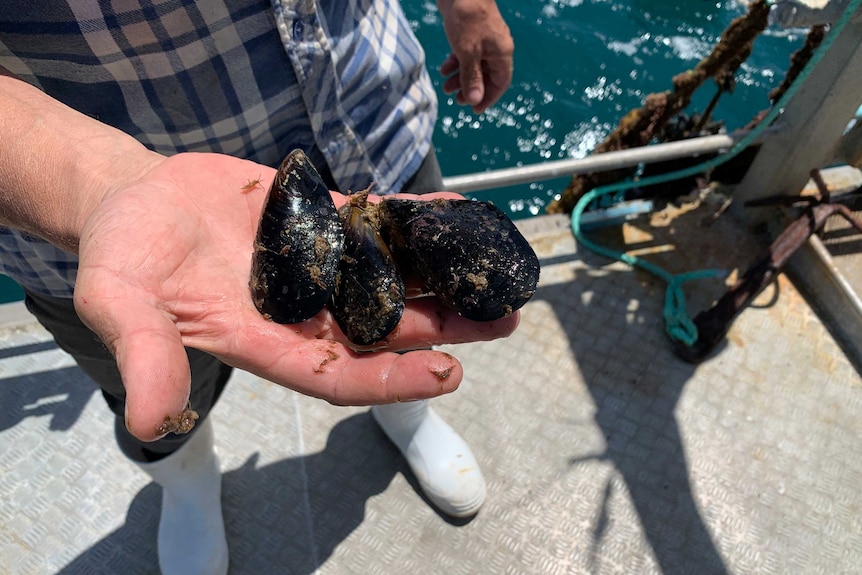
(678, 324)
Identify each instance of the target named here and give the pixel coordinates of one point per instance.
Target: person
(137, 141)
(805, 13)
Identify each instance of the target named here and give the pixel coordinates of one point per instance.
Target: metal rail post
(812, 123)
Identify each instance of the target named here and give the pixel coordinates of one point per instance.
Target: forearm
(56, 164)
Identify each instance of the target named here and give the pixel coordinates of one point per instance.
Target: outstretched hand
(165, 263)
(480, 65)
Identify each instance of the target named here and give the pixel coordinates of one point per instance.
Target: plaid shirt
(343, 79)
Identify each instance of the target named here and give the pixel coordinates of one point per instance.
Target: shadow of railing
(61, 394)
(612, 317)
(635, 386)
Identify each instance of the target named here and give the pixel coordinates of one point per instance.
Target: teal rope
(678, 324)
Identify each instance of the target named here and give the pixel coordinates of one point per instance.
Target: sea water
(580, 65)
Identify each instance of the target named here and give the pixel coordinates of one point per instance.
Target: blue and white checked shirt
(343, 79)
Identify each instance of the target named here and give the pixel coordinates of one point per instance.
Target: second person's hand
(479, 69)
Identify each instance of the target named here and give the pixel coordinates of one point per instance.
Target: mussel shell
(298, 245)
(468, 253)
(368, 300)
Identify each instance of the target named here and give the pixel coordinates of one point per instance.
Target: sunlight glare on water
(579, 67)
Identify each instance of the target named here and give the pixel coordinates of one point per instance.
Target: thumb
(472, 82)
(151, 358)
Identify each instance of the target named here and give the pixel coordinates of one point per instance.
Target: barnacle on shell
(468, 253)
(369, 294)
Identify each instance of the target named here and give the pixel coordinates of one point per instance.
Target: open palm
(165, 263)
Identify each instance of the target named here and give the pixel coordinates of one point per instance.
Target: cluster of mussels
(307, 255)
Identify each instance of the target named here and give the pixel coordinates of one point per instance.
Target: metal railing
(597, 163)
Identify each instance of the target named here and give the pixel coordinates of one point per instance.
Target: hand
(165, 263)
(804, 13)
(481, 60)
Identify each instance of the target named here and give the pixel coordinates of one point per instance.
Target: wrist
(61, 166)
(106, 163)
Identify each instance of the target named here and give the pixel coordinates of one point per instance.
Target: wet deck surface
(603, 452)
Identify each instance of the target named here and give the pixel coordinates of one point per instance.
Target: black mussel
(468, 253)
(369, 295)
(298, 245)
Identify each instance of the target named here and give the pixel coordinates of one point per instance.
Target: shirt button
(298, 29)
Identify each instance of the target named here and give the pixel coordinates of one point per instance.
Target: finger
(452, 85)
(449, 65)
(426, 322)
(332, 371)
(414, 287)
(150, 356)
(340, 199)
(498, 74)
(385, 377)
(424, 197)
(472, 82)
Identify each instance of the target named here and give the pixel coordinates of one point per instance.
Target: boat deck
(603, 452)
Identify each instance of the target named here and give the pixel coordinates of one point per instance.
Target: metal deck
(603, 452)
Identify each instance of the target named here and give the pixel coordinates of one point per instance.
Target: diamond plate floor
(603, 452)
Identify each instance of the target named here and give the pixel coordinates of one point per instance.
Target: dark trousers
(209, 375)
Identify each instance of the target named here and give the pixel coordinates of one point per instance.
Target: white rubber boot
(439, 457)
(191, 530)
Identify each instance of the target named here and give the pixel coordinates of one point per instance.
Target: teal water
(9, 290)
(580, 65)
